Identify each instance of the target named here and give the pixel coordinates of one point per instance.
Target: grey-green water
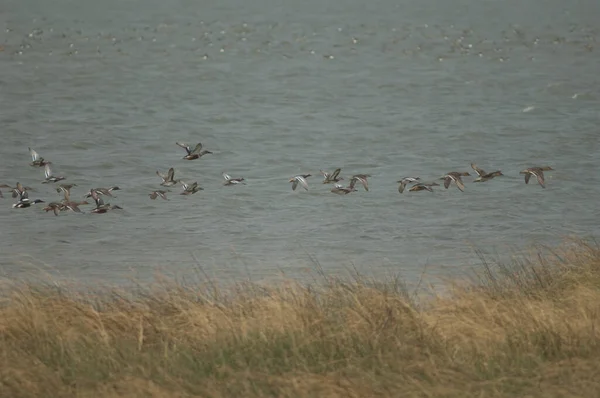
(274, 89)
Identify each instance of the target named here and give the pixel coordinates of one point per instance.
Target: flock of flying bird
(168, 180)
(21, 192)
(450, 177)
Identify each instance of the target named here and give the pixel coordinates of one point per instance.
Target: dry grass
(526, 329)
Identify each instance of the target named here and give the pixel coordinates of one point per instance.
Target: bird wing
(197, 149)
(47, 171)
(34, 155)
(540, 178)
(479, 171)
(402, 186)
(352, 183)
(459, 183)
(447, 181)
(335, 174)
(302, 182)
(97, 199)
(527, 177)
(73, 207)
(363, 181)
(185, 146)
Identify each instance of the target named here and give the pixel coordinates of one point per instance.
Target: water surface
(104, 89)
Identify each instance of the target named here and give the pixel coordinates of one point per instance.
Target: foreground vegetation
(529, 328)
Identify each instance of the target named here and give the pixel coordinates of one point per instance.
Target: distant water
(274, 89)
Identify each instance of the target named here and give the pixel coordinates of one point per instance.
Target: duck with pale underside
(191, 188)
(103, 191)
(362, 178)
(101, 207)
(25, 202)
(331, 177)
(195, 153)
(104, 208)
(341, 190)
(49, 176)
(36, 159)
(483, 176)
(538, 172)
(233, 181)
(405, 181)
(167, 179)
(68, 204)
(455, 176)
(155, 194)
(299, 179)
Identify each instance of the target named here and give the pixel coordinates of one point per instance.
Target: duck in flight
(423, 187)
(104, 208)
(56, 207)
(405, 181)
(25, 202)
(190, 189)
(167, 179)
(49, 176)
(155, 194)
(18, 190)
(538, 172)
(483, 176)
(68, 204)
(233, 181)
(340, 190)
(299, 179)
(65, 188)
(103, 191)
(195, 153)
(333, 177)
(101, 207)
(456, 177)
(36, 159)
(362, 178)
